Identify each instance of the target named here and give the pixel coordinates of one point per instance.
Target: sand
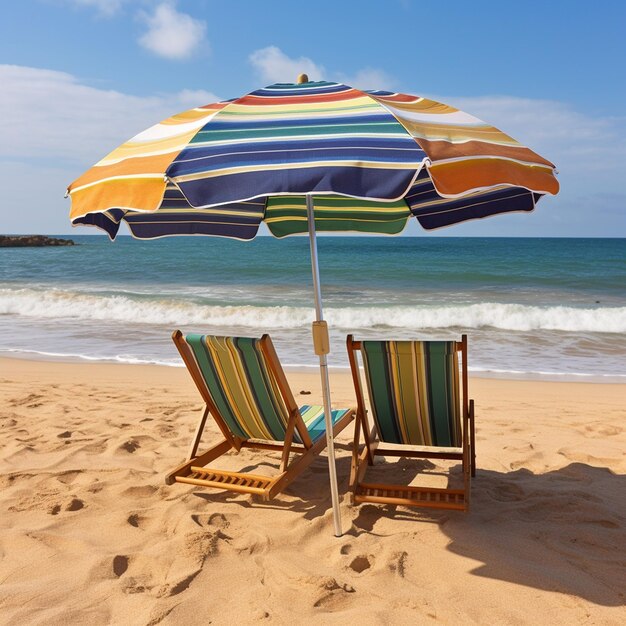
(90, 534)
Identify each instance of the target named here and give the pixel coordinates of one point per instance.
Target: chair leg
(354, 465)
(193, 448)
(287, 446)
(467, 483)
(472, 439)
(368, 437)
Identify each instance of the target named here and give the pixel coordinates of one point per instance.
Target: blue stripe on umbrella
(383, 183)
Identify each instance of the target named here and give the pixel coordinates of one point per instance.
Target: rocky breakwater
(23, 241)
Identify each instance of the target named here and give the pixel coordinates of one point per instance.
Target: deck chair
(246, 391)
(415, 402)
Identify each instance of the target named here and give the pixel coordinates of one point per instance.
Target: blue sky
(78, 77)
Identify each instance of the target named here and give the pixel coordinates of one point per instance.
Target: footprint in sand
(68, 477)
(201, 520)
(75, 504)
(201, 545)
(198, 547)
(136, 585)
(130, 446)
(137, 520)
(334, 596)
(360, 563)
(600, 430)
(65, 434)
(176, 588)
(120, 564)
(219, 520)
(398, 563)
(146, 584)
(214, 525)
(167, 431)
(507, 493)
(142, 491)
(216, 520)
(52, 502)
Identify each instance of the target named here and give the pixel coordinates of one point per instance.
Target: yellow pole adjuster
(321, 341)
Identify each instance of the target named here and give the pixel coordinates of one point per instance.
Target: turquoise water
(536, 307)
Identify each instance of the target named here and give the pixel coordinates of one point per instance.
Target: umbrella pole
(321, 345)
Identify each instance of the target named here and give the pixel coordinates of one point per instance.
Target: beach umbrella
(308, 157)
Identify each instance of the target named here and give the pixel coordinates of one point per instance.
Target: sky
(79, 77)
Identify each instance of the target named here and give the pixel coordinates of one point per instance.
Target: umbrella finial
(302, 78)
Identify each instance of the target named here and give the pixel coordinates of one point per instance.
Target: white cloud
(105, 8)
(38, 192)
(368, 78)
(172, 34)
(274, 66)
(53, 127)
(46, 114)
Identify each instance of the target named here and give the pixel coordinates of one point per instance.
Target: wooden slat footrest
(233, 481)
(411, 496)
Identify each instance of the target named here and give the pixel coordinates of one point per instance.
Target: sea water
(530, 307)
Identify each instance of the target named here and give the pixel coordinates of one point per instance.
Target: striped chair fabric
(244, 389)
(414, 391)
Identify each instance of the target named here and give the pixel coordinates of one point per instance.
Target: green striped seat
(245, 391)
(313, 417)
(414, 391)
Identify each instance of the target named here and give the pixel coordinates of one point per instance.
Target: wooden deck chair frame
(440, 498)
(193, 470)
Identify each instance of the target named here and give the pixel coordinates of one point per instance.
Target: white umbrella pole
(321, 345)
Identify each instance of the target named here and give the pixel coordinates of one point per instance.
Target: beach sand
(89, 532)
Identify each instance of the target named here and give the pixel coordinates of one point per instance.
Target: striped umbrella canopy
(307, 157)
(372, 159)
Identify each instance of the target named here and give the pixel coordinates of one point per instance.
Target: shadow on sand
(563, 530)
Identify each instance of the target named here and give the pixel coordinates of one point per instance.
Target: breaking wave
(59, 304)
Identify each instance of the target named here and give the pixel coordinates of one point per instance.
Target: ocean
(538, 308)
